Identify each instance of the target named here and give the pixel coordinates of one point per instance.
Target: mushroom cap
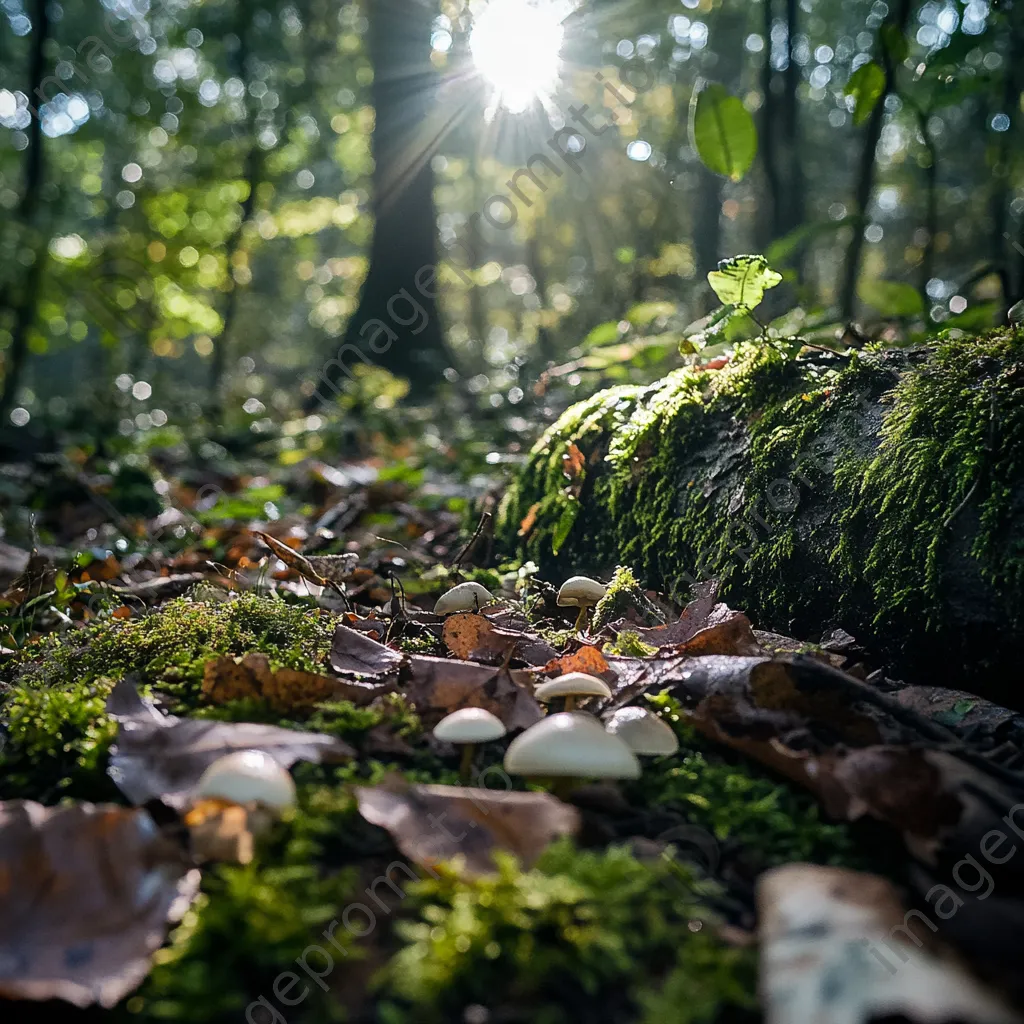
(466, 597)
(247, 776)
(572, 684)
(580, 592)
(573, 744)
(470, 725)
(642, 731)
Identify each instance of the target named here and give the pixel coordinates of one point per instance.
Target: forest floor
(826, 842)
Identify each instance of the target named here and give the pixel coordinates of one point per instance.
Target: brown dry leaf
(86, 895)
(726, 632)
(438, 686)
(161, 757)
(573, 463)
(465, 632)
(292, 558)
(587, 659)
(284, 689)
(836, 946)
(430, 824)
(334, 568)
(694, 617)
(352, 651)
(529, 520)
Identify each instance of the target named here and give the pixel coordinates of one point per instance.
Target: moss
(883, 492)
(583, 936)
(624, 598)
(629, 644)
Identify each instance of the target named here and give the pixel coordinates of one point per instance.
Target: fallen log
(882, 492)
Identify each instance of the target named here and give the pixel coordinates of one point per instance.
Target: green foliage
(723, 132)
(624, 598)
(891, 298)
(866, 86)
(629, 644)
(743, 280)
(583, 935)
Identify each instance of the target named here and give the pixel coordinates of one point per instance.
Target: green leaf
(723, 133)
(570, 510)
(891, 298)
(866, 86)
(603, 334)
(743, 280)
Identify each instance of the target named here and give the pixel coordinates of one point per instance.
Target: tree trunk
(397, 324)
(888, 500)
(865, 183)
(24, 305)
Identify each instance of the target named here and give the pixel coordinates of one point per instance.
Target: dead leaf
(694, 617)
(587, 659)
(430, 824)
(529, 520)
(573, 463)
(352, 651)
(306, 567)
(334, 568)
(438, 686)
(86, 895)
(161, 757)
(726, 632)
(836, 946)
(465, 632)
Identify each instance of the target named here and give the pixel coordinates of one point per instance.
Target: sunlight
(516, 46)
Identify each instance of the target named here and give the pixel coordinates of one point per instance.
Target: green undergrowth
(586, 935)
(583, 936)
(864, 490)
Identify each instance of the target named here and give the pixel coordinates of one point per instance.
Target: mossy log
(881, 491)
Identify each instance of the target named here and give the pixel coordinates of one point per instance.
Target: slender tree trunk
(931, 216)
(793, 193)
(252, 171)
(866, 170)
(24, 305)
(397, 324)
(772, 221)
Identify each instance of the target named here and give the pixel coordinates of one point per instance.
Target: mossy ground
(883, 492)
(589, 934)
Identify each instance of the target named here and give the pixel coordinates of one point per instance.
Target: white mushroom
(583, 593)
(570, 686)
(467, 727)
(569, 744)
(466, 597)
(245, 777)
(642, 731)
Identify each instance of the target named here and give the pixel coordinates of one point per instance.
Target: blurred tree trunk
(252, 173)
(895, 21)
(23, 303)
(404, 249)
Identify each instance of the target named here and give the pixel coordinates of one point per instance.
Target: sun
(516, 46)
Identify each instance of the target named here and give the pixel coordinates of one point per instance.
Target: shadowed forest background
(338, 338)
(189, 222)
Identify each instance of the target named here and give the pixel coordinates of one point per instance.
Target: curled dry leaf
(86, 894)
(355, 652)
(438, 686)
(161, 757)
(430, 824)
(694, 617)
(837, 946)
(292, 558)
(284, 689)
(587, 659)
(474, 637)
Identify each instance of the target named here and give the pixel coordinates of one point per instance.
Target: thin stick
(484, 516)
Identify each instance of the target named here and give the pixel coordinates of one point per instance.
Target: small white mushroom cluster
(466, 597)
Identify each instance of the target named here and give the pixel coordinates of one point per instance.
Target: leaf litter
(934, 766)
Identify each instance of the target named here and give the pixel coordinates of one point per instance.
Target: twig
(484, 516)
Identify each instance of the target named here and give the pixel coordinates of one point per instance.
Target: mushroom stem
(570, 702)
(563, 787)
(466, 764)
(581, 620)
